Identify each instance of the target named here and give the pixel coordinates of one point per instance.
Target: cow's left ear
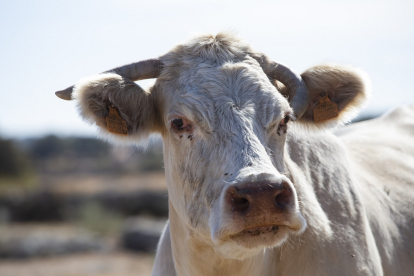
(336, 94)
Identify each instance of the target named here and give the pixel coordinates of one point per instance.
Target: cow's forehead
(204, 88)
(228, 89)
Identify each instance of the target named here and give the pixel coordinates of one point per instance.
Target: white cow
(256, 184)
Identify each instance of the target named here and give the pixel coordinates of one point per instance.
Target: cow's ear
(119, 107)
(336, 94)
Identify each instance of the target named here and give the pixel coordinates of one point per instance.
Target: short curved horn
(146, 69)
(298, 92)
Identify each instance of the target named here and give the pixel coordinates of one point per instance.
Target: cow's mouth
(261, 236)
(255, 231)
(249, 240)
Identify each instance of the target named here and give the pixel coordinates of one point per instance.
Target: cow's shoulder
(381, 150)
(381, 157)
(383, 146)
(397, 122)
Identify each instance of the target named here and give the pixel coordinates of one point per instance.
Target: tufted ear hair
(336, 94)
(120, 108)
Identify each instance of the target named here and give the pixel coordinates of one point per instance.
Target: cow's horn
(146, 69)
(298, 93)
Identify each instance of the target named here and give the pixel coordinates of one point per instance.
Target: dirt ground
(112, 262)
(91, 264)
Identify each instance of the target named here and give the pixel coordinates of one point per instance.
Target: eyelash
(282, 127)
(283, 122)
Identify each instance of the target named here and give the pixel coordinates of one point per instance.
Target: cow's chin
(250, 242)
(240, 241)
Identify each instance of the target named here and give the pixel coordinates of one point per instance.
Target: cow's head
(224, 113)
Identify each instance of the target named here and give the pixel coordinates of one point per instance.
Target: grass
(94, 217)
(27, 182)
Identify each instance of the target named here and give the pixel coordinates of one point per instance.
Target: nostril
(240, 203)
(283, 198)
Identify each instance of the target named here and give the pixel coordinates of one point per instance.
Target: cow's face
(224, 142)
(224, 127)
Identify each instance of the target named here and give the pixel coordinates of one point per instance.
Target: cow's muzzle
(262, 208)
(260, 211)
(250, 200)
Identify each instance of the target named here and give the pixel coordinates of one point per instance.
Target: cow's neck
(318, 168)
(194, 255)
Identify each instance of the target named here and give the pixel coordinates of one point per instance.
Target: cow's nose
(256, 197)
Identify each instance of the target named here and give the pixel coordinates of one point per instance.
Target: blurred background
(71, 204)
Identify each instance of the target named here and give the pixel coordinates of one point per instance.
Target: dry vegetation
(96, 184)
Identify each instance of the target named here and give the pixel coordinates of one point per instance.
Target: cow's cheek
(174, 162)
(277, 145)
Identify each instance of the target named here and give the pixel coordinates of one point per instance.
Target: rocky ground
(102, 226)
(87, 264)
(65, 249)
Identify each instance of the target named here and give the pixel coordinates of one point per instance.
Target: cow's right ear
(118, 106)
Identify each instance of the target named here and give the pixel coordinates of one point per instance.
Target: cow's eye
(177, 123)
(282, 128)
(180, 124)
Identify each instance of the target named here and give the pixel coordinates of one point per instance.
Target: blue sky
(48, 45)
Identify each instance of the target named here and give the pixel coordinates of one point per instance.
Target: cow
(258, 182)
